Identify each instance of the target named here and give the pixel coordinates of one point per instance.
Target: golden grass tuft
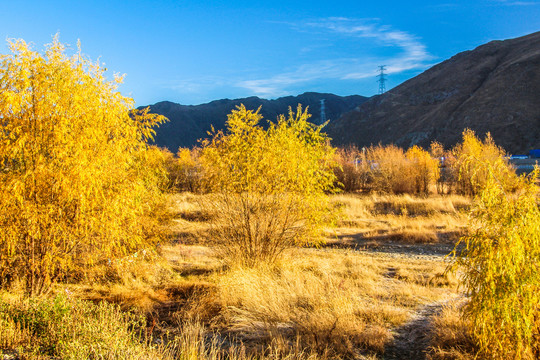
(451, 338)
(336, 302)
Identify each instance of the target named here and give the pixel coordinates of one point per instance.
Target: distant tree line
(381, 168)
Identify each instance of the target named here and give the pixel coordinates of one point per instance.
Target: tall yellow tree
(424, 169)
(74, 188)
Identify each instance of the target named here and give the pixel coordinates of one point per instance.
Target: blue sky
(192, 52)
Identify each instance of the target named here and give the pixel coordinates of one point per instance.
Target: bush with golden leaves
(423, 168)
(500, 259)
(75, 188)
(268, 186)
(469, 164)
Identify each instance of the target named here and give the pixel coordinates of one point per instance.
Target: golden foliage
(189, 174)
(387, 169)
(74, 182)
(471, 157)
(268, 185)
(387, 165)
(423, 168)
(501, 262)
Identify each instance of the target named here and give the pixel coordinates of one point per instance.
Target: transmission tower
(323, 112)
(382, 79)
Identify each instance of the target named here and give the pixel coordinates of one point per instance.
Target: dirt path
(411, 340)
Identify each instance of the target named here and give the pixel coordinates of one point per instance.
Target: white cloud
(410, 54)
(517, 3)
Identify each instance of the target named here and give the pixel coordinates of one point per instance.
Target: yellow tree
(424, 169)
(472, 155)
(74, 188)
(389, 169)
(269, 186)
(189, 171)
(501, 264)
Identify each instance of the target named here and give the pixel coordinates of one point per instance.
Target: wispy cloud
(409, 53)
(516, 3)
(413, 53)
(277, 85)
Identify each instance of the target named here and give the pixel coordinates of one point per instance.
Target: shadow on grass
(394, 243)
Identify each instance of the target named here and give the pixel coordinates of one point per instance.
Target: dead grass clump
(339, 304)
(309, 305)
(451, 338)
(197, 301)
(402, 218)
(196, 342)
(437, 279)
(417, 206)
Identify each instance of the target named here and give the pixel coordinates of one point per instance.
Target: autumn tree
(423, 168)
(269, 186)
(75, 190)
(189, 172)
(500, 259)
(353, 171)
(471, 155)
(389, 169)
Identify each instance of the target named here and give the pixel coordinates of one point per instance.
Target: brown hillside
(495, 88)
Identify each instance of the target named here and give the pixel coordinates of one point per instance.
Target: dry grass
(336, 302)
(451, 338)
(333, 300)
(402, 218)
(314, 304)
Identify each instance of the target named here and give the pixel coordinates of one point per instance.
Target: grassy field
(377, 290)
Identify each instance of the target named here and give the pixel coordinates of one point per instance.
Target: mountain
(188, 123)
(493, 88)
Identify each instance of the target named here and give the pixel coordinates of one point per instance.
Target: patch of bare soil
(396, 247)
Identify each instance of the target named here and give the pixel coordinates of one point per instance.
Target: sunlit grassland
(403, 217)
(330, 302)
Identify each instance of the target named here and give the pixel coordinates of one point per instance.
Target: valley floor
(378, 289)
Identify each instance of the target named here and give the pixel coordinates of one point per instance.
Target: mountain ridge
(188, 123)
(493, 88)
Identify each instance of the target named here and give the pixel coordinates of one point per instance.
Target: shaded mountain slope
(495, 88)
(188, 123)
